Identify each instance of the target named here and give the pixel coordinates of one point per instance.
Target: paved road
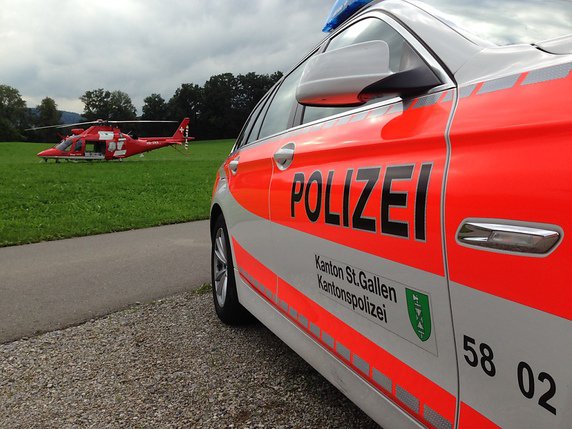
(51, 285)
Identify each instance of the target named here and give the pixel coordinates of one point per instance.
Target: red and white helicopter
(103, 140)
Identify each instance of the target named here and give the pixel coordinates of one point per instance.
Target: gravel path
(166, 364)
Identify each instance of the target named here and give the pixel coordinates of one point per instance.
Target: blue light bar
(341, 11)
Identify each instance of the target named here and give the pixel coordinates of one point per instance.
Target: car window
(257, 117)
(241, 139)
(509, 22)
(278, 114)
(315, 113)
(362, 31)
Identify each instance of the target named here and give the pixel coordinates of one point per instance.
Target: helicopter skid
(76, 158)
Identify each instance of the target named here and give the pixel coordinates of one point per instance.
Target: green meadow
(48, 201)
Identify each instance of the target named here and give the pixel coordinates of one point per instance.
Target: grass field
(47, 201)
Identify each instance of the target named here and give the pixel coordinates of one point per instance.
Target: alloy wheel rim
(220, 267)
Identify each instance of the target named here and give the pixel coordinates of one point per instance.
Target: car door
(247, 173)
(356, 210)
(508, 220)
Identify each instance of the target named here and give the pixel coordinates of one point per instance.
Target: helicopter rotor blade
(100, 121)
(140, 121)
(60, 126)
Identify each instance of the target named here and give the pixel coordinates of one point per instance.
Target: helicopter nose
(47, 152)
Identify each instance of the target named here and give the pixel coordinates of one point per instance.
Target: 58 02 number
(482, 355)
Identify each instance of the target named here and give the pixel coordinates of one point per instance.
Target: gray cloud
(61, 48)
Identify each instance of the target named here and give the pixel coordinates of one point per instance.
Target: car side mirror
(355, 74)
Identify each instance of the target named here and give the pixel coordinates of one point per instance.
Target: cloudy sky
(62, 48)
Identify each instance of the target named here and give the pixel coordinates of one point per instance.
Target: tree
(154, 107)
(96, 104)
(188, 102)
(218, 109)
(276, 76)
(102, 104)
(13, 114)
(122, 107)
(251, 87)
(228, 100)
(221, 116)
(46, 114)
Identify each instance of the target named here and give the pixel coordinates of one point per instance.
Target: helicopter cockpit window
(65, 145)
(78, 145)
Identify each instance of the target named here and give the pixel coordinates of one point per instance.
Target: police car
(397, 210)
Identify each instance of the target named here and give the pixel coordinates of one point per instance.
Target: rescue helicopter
(104, 141)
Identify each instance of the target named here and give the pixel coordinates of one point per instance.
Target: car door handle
(538, 240)
(284, 156)
(233, 165)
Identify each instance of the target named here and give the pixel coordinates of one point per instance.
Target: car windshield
(506, 22)
(65, 144)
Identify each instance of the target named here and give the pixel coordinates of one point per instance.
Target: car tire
(227, 307)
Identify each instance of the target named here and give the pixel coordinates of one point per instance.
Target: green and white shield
(419, 313)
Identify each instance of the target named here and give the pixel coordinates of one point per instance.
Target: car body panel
(510, 161)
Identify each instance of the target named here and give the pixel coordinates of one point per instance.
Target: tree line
(218, 109)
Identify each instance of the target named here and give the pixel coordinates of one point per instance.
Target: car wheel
(225, 297)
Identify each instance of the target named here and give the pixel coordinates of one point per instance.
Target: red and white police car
(397, 209)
